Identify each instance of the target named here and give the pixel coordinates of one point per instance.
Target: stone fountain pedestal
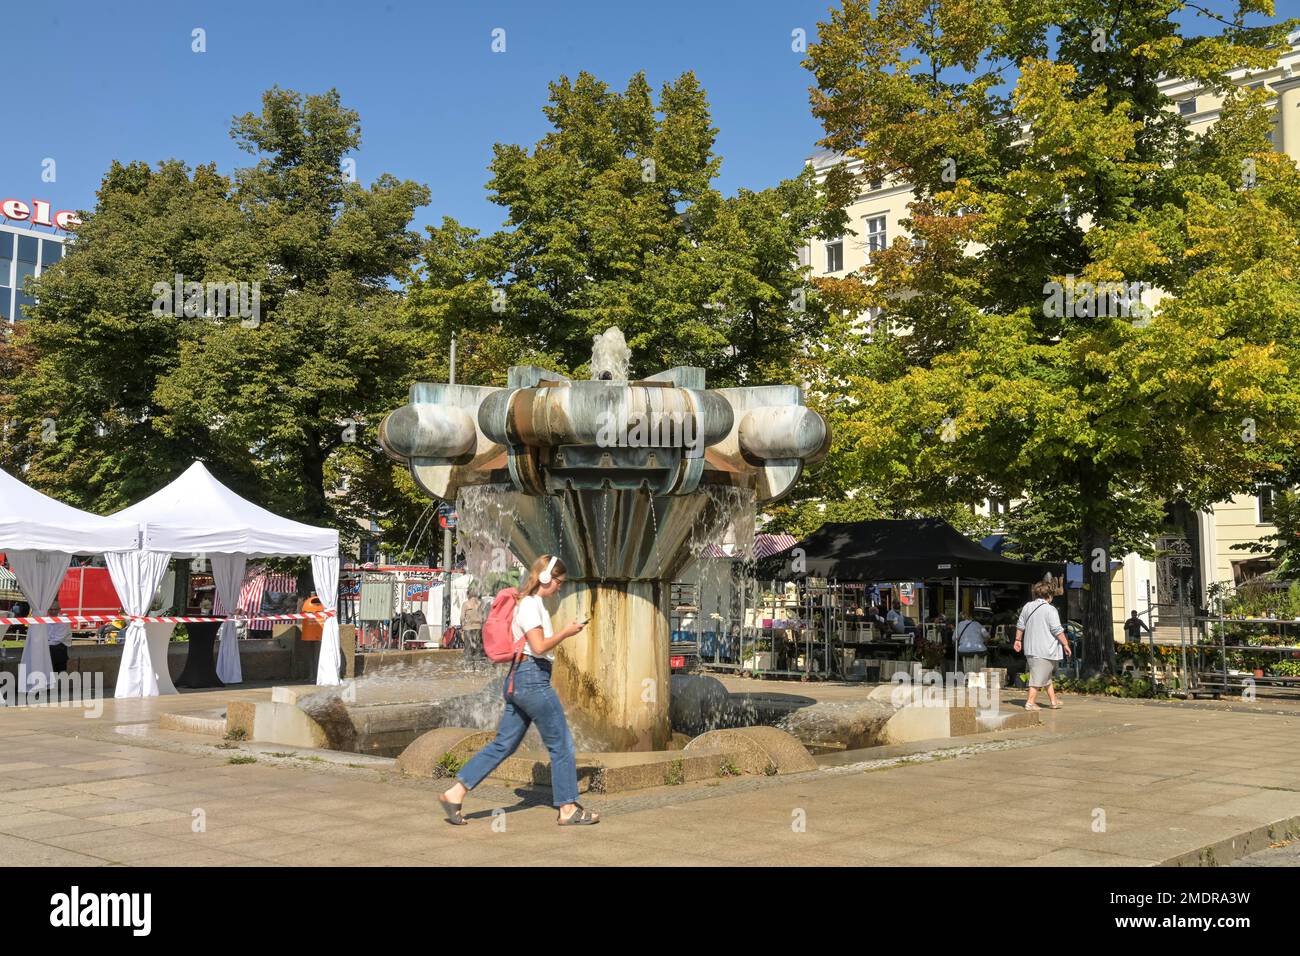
(616, 671)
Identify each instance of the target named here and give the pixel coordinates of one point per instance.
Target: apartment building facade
(1197, 551)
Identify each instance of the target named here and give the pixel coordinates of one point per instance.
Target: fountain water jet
(626, 481)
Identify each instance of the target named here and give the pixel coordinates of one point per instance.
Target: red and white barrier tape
(101, 618)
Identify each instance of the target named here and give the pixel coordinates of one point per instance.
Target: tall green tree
(1043, 151)
(613, 219)
(304, 389)
(83, 408)
(283, 403)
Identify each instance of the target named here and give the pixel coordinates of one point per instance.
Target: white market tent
(39, 535)
(198, 515)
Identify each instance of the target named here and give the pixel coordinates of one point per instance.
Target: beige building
(1197, 551)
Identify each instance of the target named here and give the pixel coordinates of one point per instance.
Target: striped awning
(256, 586)
(765, 545)
(9, 585)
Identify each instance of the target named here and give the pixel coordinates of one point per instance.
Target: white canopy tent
(198, 515)
(39, 535)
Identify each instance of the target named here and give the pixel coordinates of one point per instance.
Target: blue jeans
(534, 700)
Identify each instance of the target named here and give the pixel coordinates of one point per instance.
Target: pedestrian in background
(471, 626)
(59, 637)
(1044, 640)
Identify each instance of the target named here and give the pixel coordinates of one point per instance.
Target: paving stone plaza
(1103, 782)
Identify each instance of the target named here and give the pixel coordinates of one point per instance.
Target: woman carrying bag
(530, 698)
(1039, 630)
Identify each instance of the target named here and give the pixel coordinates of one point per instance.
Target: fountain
(625, 480)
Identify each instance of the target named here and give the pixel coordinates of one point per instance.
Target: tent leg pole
(956, 616)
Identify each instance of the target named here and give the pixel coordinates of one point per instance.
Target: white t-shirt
(59, 633)
(530, 612)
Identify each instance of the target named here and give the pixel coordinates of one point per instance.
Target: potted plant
(932, 655)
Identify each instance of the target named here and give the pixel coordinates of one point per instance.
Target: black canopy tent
(907, 550)
(918, 549)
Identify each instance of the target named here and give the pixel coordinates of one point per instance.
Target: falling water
(729, 516)
(605, 492)
(654, 525)
(486, 515)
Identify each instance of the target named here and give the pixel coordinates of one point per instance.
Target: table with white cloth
(159, 637)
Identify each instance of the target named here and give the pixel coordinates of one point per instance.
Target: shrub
(1108, 685)
(448, 765)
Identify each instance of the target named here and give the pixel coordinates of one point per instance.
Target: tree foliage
(1043, 150)
(613, 219)
(136, 392)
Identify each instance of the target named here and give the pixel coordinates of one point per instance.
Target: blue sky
(97, 82)
(119, 81)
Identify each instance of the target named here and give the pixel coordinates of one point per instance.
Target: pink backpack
(498, 644)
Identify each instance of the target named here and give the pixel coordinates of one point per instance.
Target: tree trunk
(313, 473)
(1098, 650)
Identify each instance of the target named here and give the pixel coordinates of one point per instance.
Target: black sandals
(581, 817)
(453, 812)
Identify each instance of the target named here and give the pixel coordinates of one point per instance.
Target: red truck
(83, 591)
(88, 591)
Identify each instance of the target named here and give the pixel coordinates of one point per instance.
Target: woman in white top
(1039, 630)
(530, 698)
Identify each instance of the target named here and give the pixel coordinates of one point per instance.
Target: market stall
(39, 535)
(892, 553)
(198, 516)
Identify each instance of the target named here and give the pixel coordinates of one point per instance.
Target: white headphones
(545, 576)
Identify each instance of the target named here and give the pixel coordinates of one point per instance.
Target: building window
(6, 275)
(51, 252)
(6, 258)
(999, 506)
(28, 247)
(1265, 497)
(876, 185)
(835, 256)
(28, 250)
(876, 239)
(1187, 107)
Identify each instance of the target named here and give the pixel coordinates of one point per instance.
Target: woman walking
(1039, 630)
(532, 700)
